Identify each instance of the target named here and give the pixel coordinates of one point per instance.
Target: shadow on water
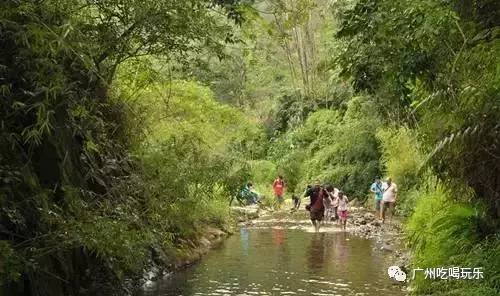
(277, 261)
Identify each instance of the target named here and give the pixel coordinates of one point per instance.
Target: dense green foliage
(75, 205)
(443, 231)
(127, 126)
(192, 155)
(332, 147)
(431, 69)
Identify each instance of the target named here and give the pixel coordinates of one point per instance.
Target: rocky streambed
(277, 253)
(389, 237)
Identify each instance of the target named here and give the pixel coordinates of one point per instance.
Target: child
(328, 203)
(342, 208)
(296, 202)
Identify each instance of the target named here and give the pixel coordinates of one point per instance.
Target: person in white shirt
(390, 195)
(335, 198)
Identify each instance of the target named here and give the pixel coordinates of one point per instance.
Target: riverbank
(187, 254)
(191, 252)
(211, 236)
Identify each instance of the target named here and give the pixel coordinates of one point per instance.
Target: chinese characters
(450, 273)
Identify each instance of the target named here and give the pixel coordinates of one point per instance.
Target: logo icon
(396, 273)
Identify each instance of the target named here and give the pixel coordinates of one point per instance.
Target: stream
(277, 260)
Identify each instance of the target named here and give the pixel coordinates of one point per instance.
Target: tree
(66, 172)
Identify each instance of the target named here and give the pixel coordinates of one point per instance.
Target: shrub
(263, 171)
(291, 167)
(339, 149)
(443, 232)
(401, 155)
(402, 159)
(193, 159)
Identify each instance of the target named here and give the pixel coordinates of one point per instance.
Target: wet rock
(245, 213)
(387, 247)
(263, 212)
(204, 242)
(369, 216)
(213, 233)
(354, 209)
(404, 260)
(375, 223)
(249, 223)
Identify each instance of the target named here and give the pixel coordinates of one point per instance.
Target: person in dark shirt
(316, 208)
(296, 202)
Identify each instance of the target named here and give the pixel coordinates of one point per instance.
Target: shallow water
(279, 261)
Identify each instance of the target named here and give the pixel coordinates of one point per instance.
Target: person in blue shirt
(249, 195)
(377, 189)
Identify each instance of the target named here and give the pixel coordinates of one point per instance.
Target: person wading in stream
(316, 208)
(328, 203)
(342, 209)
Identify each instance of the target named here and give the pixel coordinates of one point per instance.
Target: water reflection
(316, 253)
(244, 237)
(284, 262)
(278, 236)
(341, 251)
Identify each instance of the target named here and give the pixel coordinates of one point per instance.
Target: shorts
(316, 214)
(343, 214)
(280, 199)
(378, 203)
(388, 205)
(329, 213)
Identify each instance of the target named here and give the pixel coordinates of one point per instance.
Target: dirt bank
(191, 252)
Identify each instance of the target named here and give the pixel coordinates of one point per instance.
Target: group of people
(327, 203)
(249, 195)
(385, 194)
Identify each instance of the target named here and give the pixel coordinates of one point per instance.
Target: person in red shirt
(279, 190)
